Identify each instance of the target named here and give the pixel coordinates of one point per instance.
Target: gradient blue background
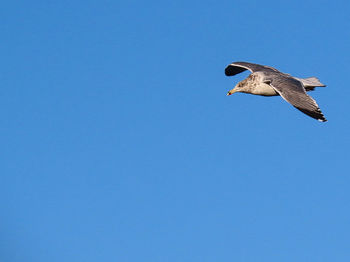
(118, 142)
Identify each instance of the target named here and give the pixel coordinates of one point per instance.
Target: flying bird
(268, 81)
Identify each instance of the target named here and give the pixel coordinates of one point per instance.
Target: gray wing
(239, 67)
(293, 92)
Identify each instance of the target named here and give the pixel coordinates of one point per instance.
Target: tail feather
(311, 82)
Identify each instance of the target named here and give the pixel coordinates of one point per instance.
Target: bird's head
(236, 89)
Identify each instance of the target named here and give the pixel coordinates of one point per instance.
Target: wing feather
(294, 92)
(239, 67)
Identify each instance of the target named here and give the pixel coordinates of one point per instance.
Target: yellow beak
(231, 92)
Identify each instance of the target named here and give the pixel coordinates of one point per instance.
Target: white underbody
(259, 87)
(264, 90)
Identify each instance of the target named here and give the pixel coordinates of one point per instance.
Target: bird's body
(255, 85)
(268, 81)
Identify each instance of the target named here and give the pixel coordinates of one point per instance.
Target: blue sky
(120, 144)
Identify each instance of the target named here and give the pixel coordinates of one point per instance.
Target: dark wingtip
(232, 70)
(316, 114)
(227, 71)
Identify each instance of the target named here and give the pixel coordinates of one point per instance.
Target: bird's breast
(264, 90)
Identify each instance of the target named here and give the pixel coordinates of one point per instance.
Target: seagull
(268, 81)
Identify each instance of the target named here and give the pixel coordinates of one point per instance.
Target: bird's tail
(311, 82)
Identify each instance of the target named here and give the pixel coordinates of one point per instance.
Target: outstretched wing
(293, 92)
(239, 67)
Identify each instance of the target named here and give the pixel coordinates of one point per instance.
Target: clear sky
(118, 142)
